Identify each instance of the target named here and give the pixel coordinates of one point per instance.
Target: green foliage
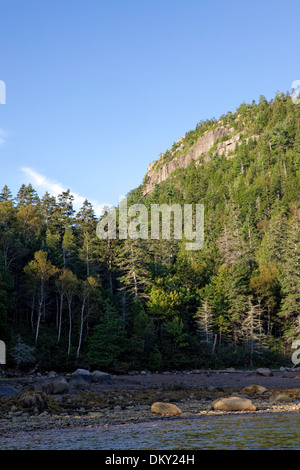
(108, 340)
(155, 359)
(149, 299)
(142, 337)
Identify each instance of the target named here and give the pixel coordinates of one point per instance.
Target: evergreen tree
(27, 195)
(86, 221)
(65, 210)
(5, 194)
(231, 242)
(132, 263)
(108, 341)
(290, 279)
(48, 209)
(68, 246)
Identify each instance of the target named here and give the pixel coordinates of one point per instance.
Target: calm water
(234, 432)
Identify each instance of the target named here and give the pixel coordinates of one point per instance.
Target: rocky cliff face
(159, 170)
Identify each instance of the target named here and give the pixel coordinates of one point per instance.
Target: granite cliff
(221, 140)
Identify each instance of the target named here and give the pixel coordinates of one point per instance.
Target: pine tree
(86, 221)
(48, 208)
(132, 263)
(264, 284)
(68, 246)
(237, 291)
(108, 343)
(231, 243)
(52, 245)
(7, 215)
(290, 278)
(163, 303)
(65, 210)
(5, 194)
(27, 195)
(272, 245)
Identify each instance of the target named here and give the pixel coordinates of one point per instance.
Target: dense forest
(69, 299)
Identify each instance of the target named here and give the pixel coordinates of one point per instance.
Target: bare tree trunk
(39, 314)
(60, 316)
(215, 343)
(32, 312)
(81, 325)
(87, 260)
(134, 276)
(70, 324)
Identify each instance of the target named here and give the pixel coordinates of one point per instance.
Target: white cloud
(53, 188)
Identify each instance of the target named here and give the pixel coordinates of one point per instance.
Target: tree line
(68, 298)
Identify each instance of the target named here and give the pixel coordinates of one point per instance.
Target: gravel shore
(128, 398)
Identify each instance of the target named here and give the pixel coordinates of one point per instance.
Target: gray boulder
(99, 376)
(84, 373)
(54, 385)
(77, 382)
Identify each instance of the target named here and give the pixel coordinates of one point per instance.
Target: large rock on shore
(99, 376)
(233, 404)
(281, 398)
(162, 408)
(84, 374)
(77, 382)
(254, 390)
(54, 385)
(264, 372)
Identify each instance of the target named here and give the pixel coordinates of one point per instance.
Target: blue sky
(97, 89)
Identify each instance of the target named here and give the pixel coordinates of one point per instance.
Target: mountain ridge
(222, 138)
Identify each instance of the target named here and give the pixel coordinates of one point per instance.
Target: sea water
(227, 432)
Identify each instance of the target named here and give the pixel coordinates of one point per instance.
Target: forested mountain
(68, 298)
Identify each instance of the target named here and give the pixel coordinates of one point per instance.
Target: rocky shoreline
(110, 400)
